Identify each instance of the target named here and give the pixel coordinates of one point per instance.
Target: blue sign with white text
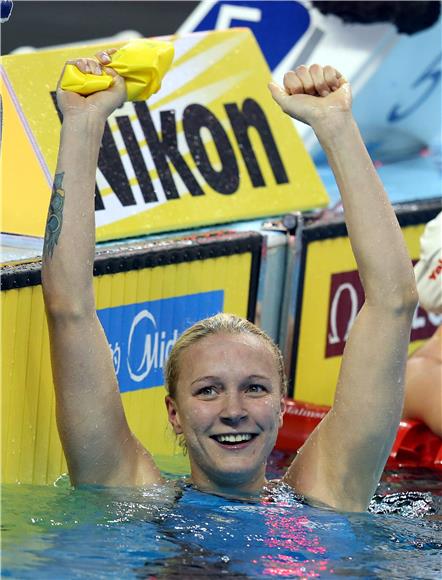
(277, 25)
(142, 335)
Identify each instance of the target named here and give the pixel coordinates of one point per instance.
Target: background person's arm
(342, 461)
(423, 384)
(96, 438)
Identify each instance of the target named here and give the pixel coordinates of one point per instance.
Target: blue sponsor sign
(6, 9)
(277, 25)
(142, 335)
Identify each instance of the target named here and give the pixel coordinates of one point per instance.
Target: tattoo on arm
(55, 216)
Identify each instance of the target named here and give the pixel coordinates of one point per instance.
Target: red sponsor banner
(345, 301)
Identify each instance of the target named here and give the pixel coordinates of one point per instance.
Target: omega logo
(347, 298)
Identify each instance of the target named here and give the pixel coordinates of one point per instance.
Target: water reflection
(178, 532)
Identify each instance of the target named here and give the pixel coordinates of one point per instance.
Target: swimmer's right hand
(101, 103)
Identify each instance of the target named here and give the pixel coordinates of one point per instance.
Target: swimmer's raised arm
(342, 461)
(97, 441)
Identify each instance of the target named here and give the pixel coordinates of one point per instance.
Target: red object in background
(299, 421)
(415, 445)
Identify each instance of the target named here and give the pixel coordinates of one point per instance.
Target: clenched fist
(101, 103)
(313, 94)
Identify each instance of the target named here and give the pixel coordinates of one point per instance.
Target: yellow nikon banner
(210, 147)
(146, 296)
(330, 296)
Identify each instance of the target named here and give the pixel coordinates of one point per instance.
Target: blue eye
(255, 388)
(206, 391)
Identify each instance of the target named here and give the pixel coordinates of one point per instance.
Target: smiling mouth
(234, 438)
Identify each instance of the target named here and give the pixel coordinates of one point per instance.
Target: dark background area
(38, 24)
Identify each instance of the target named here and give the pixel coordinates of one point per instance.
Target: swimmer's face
(229, 408)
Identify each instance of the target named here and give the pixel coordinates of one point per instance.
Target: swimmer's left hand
(101, 103)
(313, 94)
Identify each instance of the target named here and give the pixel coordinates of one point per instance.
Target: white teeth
(234, 438)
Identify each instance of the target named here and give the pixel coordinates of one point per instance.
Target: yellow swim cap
(142, 63)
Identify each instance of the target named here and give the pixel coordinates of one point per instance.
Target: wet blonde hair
(220, 323)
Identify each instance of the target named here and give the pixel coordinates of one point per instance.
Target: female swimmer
(225, 378)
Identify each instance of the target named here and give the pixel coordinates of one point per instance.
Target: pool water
(56, 532)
